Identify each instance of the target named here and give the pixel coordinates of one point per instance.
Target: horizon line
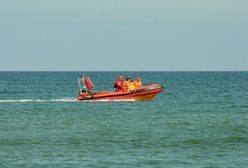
(123, 70)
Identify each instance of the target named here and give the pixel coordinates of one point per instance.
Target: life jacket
(125, 86)
(138, 84)
(131, 86)
(118, 83)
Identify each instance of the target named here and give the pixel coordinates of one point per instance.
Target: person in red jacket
(118, 84)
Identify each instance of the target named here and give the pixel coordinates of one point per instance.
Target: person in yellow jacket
(125, 85)
(131, 86)
(138, 83)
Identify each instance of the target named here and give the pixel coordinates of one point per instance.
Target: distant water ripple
(200, 120)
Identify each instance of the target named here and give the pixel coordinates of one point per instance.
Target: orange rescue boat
(145, 93)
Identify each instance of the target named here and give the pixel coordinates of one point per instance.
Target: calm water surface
(201, 120)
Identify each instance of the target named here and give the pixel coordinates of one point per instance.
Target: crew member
(138, 83)
(118, 84)
(131, 86)
(125, 84)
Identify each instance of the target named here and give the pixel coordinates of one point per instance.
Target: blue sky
(129, 35)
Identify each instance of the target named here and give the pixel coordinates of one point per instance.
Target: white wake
(38, 100)
(61, 100)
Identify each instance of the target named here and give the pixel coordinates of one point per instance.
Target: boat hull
(142, 94)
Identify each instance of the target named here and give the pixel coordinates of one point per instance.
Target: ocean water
(200, 120)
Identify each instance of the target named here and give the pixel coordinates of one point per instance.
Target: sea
(200, 120)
